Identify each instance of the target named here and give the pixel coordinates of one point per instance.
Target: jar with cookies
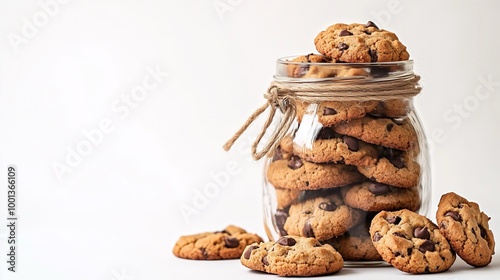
(343, 140)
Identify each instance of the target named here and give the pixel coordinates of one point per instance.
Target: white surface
(116, 214)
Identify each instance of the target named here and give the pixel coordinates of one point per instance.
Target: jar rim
(294, 71)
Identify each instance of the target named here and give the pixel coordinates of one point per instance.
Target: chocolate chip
(264, 260)
(278, 154)
(409, 251)
(389, 127)
(307, 230)
(345, 33)
(373, 55)
(399, 234)
(231, 242)
(248, 252)
(295, 162)
(326, 133)
(393, 220)
(327, 206)
(371, 24)
(397, 162)
(395, 157)
(286, 241)
(421, 233)
(378, 189)
(426, 246)
(204, 253)
(483, 232)
(351, 142)
(280, 217)
(329, 111)
(453, 215)
(342, 46)
(377, 236)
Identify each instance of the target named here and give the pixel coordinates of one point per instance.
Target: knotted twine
(285, 95)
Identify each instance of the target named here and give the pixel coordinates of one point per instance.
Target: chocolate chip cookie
(226, 244)
(329, 146)
(391, 133)
(356, 244)
(322, 217)
(395, 168)
(466, 227)
(371, 196)
(360, 43)
(295, 173)
(292, 256)
(411, 242)
(330, 113)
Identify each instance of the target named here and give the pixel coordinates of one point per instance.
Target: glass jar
(355, 147)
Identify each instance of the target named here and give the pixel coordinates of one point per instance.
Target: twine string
(283, 96)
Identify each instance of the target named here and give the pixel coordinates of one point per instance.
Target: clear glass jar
(348, 154)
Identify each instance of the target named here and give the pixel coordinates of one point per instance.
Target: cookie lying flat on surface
(411, 242)
(466, 228)
(292, 256)
(219, 245)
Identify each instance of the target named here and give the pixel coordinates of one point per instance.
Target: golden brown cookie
(395, 168)
(330, 113)
(391, 133)
(293, 256)
(295, 173)
(226, 244)
(360, 43)
(329, 146)
(321, 217)
(411, 242)
(467, 229)
(372, 196)
(356, 244)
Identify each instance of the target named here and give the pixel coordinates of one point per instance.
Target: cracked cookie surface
(467, 229)
(411, 242)
(292, 256)
(226, 244)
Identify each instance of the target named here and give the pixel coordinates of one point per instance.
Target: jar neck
(289, 71)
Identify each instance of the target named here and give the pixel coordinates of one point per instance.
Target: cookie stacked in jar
(355, 145)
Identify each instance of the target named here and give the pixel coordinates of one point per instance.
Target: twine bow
(284, 96)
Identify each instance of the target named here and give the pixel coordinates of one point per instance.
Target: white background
(114, 213)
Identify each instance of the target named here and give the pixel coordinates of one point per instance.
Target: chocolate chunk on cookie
(292, 256)
(372, 196)
(411, 242)
(395, 134)
(295, 173)
(330, 146)
(466, 227)
(360, 43)
(322, 217)
(226, 244)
